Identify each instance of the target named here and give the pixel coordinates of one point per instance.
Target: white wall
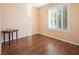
(19, 16)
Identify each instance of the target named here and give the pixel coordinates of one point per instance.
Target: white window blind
(58, 18)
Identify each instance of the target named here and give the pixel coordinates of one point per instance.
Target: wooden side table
(10, 32)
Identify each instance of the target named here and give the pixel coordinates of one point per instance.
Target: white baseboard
(61, 39)
(1, 41)
(51, 37)
(33, 34)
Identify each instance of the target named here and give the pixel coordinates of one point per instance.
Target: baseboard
(1, 41)
(61, 39)
(51, 37)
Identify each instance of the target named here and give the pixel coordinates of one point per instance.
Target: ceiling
(38, 5)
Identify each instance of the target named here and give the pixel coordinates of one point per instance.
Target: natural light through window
(58, 18)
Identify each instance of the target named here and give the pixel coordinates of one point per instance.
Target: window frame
(68, 19)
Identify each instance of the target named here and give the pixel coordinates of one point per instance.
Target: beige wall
(0, 23)
(35, 20)
(72, 35)
(30, 20)
(0, 29)
(19, 16)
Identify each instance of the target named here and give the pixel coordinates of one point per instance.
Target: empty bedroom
(39, 29)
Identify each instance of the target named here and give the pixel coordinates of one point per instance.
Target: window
(58, 18)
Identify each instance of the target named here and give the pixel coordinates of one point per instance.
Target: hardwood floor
(39, 45)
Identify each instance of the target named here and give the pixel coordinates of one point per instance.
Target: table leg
(12, 36)
(9, 38)
(4, 37)
(17, 35)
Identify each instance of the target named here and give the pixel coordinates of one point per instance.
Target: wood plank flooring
(39, 45)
